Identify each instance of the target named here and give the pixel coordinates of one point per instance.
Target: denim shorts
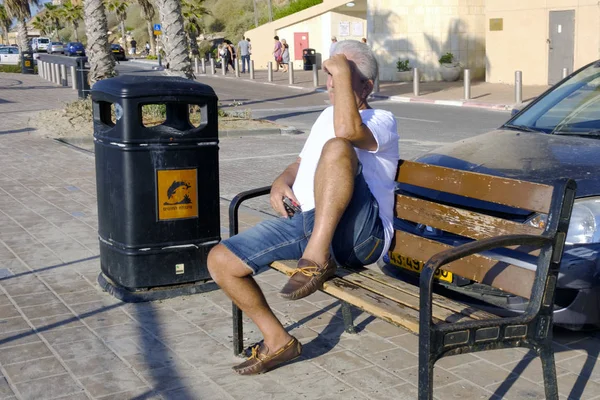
(358, 239)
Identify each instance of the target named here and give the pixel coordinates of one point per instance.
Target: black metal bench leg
(347, 315)
(549, 371)
(238, 330)
(426, 363)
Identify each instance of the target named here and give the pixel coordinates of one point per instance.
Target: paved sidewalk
(483, 95)
(61, 337)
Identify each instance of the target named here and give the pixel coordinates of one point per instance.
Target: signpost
(157, 30)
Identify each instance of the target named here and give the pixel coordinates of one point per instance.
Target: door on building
(300, 43)
(561, 44)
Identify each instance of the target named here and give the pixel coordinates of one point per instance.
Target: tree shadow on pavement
(22, 130)
(43, 269)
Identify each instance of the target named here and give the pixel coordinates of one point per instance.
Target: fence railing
(58, 69)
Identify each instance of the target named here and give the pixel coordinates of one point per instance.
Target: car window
(43, 41)
(13, 51)
(571, 107)
(4, 50)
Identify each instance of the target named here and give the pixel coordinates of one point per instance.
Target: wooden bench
(447, 326)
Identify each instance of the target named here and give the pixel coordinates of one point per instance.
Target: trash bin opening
(105, 113)
(174, 114)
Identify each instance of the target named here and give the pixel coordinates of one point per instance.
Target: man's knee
(223, 263)
(339, 148)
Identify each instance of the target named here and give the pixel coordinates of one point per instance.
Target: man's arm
(346, 118)
(282, 187)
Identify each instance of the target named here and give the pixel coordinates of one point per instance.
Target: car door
(4, 55)
(13, 55)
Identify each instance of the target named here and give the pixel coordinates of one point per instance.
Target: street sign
(157, 27)
(157, 33)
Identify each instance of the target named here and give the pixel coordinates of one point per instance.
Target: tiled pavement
(61, 337)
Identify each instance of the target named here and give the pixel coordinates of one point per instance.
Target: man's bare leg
(334, 186)
(233, 276)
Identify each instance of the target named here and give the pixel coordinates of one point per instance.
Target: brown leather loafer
(308, 278)
(262, 360)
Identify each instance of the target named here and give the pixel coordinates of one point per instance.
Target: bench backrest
(415, 204)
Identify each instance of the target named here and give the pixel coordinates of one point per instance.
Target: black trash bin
(309, 57)
(81, 75)
(27, 62)
(157, 186)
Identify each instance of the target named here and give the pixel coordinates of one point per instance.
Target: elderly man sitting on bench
(336, 201)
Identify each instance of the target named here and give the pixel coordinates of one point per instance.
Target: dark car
(118, 52)
(74, 49)
(556, 136)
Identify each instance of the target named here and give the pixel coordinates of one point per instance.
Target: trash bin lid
(131, 86)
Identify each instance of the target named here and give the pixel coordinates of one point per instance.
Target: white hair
(361, 54)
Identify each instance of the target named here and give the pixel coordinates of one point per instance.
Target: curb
(232, 76)
(255, 132)
(452, 103)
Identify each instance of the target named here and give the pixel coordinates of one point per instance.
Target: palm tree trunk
(174, 38)
(125, 44)
(75, 26)
(151, 37)
(22, 36)
(102, 63)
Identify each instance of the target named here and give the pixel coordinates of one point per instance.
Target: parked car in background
(74, 49)
(56, 47)
(556, 136)
(118, 52)
(9, 55)
(40, 44)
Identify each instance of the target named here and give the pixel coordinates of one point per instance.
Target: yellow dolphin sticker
(177, 193)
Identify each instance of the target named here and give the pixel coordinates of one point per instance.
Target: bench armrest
(237, 201)
(445, 257)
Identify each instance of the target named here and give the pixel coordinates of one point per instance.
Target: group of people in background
(228, 54)
(281, 52)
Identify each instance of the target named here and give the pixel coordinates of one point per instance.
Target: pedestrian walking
(285, 57)
(133, 46)
(147, 48)
(244, 52)
(277, 51)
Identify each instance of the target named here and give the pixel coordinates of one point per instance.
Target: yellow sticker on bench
(177, 193)
(417, 266)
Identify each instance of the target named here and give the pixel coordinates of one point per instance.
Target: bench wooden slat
(398, 296)
(511, 192)
(458, 221)
(510, 278)
(438, 300)
(365, 300)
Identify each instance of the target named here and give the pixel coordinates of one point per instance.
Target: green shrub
(294, 7)
(15, 69)
(403, 66)
(447, 58)
(151, 57)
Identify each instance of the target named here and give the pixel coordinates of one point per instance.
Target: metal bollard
(159, 59)
(203, 64)
(236, 65)
(565, 72)
(251, 69)
(63, 75)
(518, 87)
(224, 66)
(416, 82)
(73, 78)
(56, 74)
(46, 76)
(270, 71)
(212, 66)
(291, 73)
(467, 84)
(196, 68)
(40, 69)
(376, 84)
(49, 71)
(315, 75)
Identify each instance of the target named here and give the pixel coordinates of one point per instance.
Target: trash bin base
(153, 294)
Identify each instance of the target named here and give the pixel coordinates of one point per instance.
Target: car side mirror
(514, 112)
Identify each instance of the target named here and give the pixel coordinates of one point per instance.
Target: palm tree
(102, 62)
(53, 14)
(72, 13)
(148, 13)
(119, 8)
(42, 24)
(21, 11)
(5, 22)
(192, 13)
(174, 38)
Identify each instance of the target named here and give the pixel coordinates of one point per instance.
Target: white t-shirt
(379, 166)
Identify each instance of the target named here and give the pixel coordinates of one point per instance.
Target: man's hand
(337, 66)
(279, 190)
